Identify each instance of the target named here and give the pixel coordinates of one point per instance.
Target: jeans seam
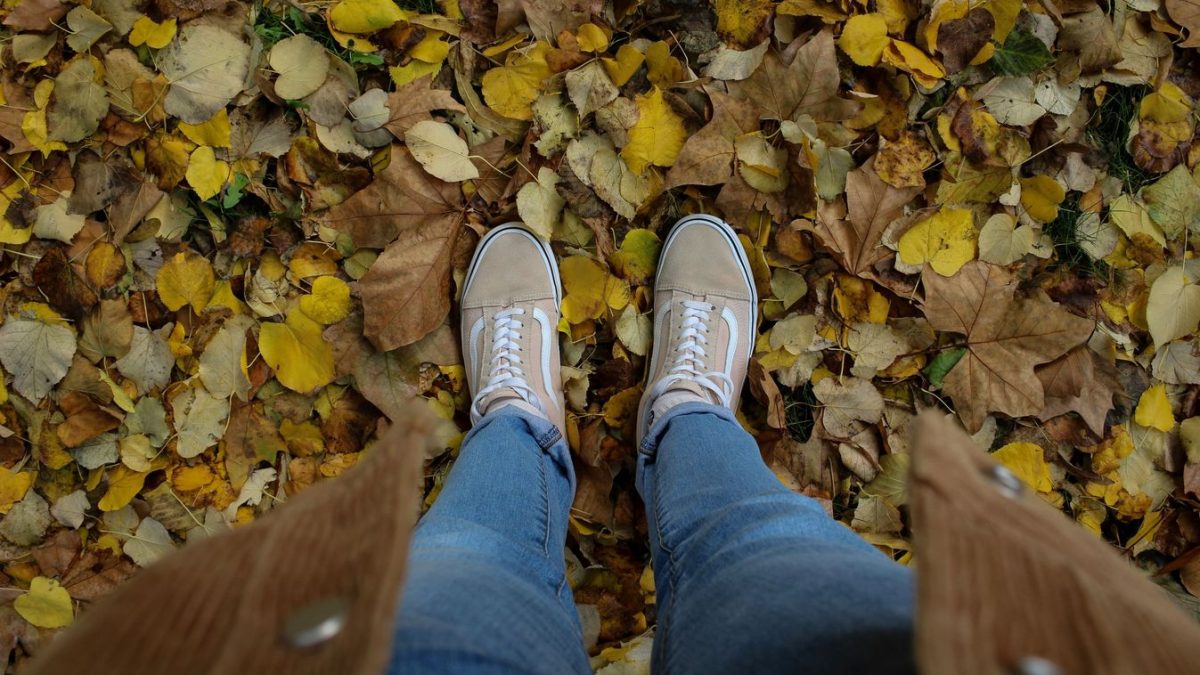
(546, 504)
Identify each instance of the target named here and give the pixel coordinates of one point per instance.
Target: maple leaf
(708, 156)
(406, 292)
(1082, 382)
(1006, 339)
(414, 102)
(872, 205)
(807, 85)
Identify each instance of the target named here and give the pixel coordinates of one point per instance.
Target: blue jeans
(749, 575)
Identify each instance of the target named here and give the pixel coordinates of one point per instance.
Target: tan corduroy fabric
(219, 607)
(1002, 577)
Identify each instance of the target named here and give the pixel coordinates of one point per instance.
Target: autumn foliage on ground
(233, 234)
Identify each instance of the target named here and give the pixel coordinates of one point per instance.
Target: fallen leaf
(199, 419)
(156, 35)
(79, 103)
(440, 151)
(46, 604)
(845, 404)
(36, 351)
(863, 38)
(946, 241)
(657, 136)
(206, 67)
(539, 205)
(302, 360)
(855, 237)
(148, 543)
(1154, 409)
(301, 64)
(1006, 338)
(1173, 309)
(185, 280)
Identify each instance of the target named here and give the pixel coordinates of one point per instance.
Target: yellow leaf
(590, 290)
(186, 279)
(414, 70)
(662, 69)
(365, 16)
(34, 125)
(224, 296)
(1168, 105)
(897, 13)
(329, 301)
(945, 240)
(941, 12)
(123, 486)
(622, 407)
(214, 133)
(742, 21)
(864, 38)
(303, 439)
(592, 38)
(913, 61)
(1154, 409)
(191, 478)
(313, 259)
(431, 49)
(13, 486)
(762, 165)
(154, 35)
(627, 62)
(657, 136)
(46, 605)
(1028, 462)
(10, 233)
(205, 173)
(177, 342)
(1040, 196)
(511, 90)
(638, 256)
(301, 358)
(1005, 12)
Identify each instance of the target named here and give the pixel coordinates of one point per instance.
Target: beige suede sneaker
(705, 308)
(510, 317)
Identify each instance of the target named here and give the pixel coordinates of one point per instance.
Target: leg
(752, 577)
(486, 589)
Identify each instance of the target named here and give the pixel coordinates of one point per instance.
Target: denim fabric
(750, 576)
(486, 589)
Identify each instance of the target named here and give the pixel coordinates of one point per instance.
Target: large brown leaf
(1006, 339)
(1080, 382)
(708, 156)
(806, 86)
(406, 293)
(413, 102)
(873, 205)
(402, 197)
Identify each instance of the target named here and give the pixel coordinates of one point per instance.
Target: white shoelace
(690, 355)
(506, 372)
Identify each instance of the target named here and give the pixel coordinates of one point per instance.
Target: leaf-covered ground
(233, 234)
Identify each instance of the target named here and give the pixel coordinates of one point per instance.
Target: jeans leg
(752, 577)
(486, 590)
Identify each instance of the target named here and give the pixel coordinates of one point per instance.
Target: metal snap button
(317, 622)
(1036, 665)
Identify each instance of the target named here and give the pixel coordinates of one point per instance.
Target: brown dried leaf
(1006, 339)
